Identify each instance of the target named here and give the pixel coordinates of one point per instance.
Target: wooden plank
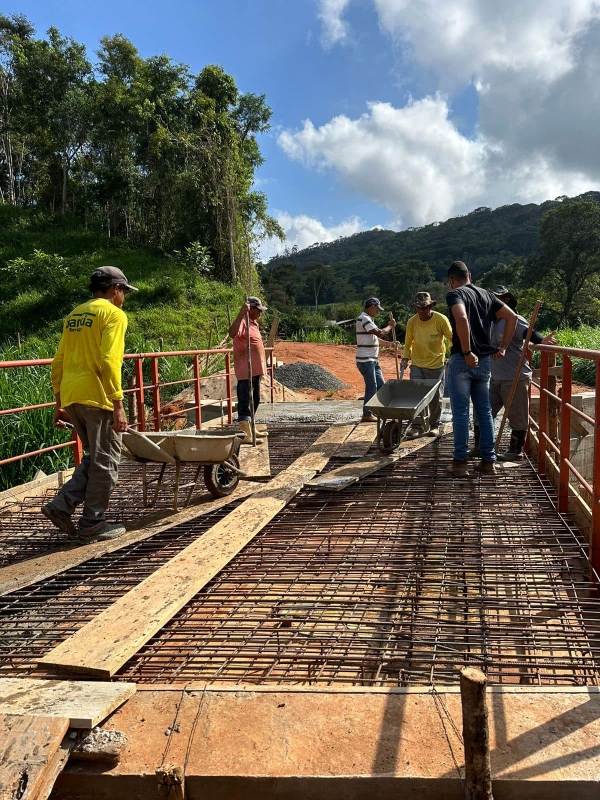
(35, 488)
(107, 642)
(26, 573)
(339, 478)
(359, 442)
(28, 748)
(84, 704)
(255, 460)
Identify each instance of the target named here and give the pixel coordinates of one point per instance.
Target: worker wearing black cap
(86, 378)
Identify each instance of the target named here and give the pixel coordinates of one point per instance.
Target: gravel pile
(299, 375)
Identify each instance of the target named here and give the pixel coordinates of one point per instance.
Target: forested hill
(481, 239)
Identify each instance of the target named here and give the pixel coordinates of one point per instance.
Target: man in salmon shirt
(238, 332)
(86, 378)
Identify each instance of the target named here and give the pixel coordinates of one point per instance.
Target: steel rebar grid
(25, 534)
(393, 582)
(38, 617)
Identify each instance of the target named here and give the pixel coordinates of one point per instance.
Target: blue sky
(386, 112)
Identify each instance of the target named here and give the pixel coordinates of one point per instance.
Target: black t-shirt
(481, 307)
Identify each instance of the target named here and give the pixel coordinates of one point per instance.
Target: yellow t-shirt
(424, 343)
(87, 366)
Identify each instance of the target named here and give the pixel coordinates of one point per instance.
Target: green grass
(322, 336)
(45, 264)
(583, 338)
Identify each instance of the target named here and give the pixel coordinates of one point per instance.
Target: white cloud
(302, 231)
(536, 67)
(335, 28)
(462, 38)
(411, 160)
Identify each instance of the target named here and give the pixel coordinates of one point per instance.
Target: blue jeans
(373, 377)
(471, 384)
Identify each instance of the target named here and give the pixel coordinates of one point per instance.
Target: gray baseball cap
(254, 302)
(117, 278)
(374, 301)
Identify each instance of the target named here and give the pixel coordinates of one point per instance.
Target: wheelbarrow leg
(176, 486)
(192, 487)
(145, 485)
(159, 483)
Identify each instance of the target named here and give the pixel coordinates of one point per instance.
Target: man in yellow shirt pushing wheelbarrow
(425, 348)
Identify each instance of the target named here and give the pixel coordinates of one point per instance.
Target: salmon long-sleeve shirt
(240, 352)
(87, 366)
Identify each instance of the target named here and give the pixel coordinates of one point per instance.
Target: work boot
(515, 448)
(474, 451)
(246, 429)
(60, 519)
(486, 467)
(459, 469)
(433, 432)
(104, 532)
(368, 418)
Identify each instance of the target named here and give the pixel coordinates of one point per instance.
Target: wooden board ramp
(359, 442)
(255, 461)
(35, 718)
(26, 573)
(341, 477)
(84, 704)
(33, 751)
(107, 642)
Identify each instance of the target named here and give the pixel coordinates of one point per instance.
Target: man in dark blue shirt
(472, 312)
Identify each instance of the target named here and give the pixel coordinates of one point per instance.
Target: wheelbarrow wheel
(390, 436)
(219, 479)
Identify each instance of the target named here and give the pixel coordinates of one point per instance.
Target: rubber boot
(474, 451)
(247, 430)
(515, 448)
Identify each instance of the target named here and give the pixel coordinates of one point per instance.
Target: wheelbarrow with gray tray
(213, 452)
(397, 405)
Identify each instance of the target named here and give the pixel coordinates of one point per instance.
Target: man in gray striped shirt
(367, 351)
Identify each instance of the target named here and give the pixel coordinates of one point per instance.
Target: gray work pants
(435, 407)
(95, 478)
(518, 413)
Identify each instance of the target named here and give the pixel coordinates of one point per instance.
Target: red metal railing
(561, 451)
(152, 417)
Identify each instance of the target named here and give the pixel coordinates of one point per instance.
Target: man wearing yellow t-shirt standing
(86, 378)
(425, 348)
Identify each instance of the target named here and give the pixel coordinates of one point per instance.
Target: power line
(83, 10)
(64, 2)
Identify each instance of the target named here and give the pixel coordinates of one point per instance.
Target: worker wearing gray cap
(367, 351)
(86, 378)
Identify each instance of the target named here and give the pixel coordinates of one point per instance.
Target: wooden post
(131, 400)
(210, 335)
(250, 387)
(515, 382)
(476, 736)
(395, 349)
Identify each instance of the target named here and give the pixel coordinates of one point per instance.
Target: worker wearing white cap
(251, 309)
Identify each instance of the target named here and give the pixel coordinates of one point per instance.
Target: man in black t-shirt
(472, 311)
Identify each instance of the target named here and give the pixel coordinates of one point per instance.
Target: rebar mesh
(24, 533)
(393, 582)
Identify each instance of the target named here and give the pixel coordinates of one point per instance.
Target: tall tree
(570, 235)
